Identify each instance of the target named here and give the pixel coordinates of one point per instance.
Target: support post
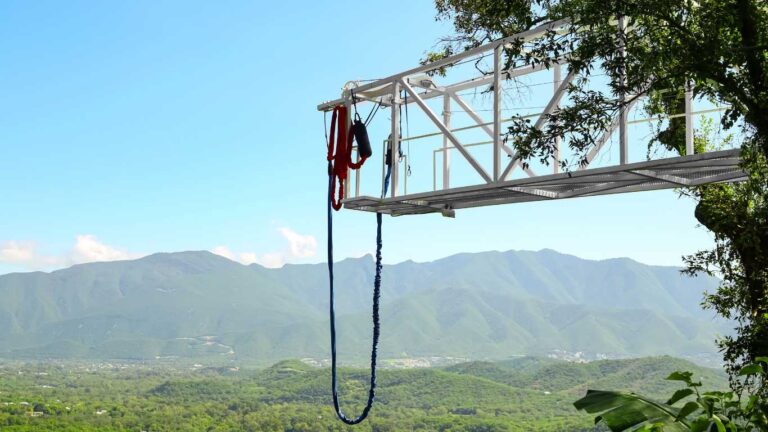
(348, 104)
(623, 139)
(395, 138)
(497, 54)
(689, 149)
(556, 156)
(446, 142)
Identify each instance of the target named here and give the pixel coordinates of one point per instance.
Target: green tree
(720, 48)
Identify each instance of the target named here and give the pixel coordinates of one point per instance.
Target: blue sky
(129, 128)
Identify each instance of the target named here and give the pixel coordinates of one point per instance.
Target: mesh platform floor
(711, 167)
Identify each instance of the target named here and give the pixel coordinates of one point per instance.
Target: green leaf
(719, 423)
(680, 394)
(761, 359)
(752, 401)
(751, 369)
(700, 424)
(597, 401)
(651, 427)
(680, 376)
(708, 402)
(687, 410)
(623, 411)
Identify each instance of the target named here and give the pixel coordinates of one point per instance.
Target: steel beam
(556, 72)
(497, 55)
(660, 176)
(348, 104)
(394, 137)
(623, 138)
(486, 80)
(445, 130)
(534, 191)
(689, 147)
(527, 35)
(460, 86)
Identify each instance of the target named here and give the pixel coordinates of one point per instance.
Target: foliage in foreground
(700, 411)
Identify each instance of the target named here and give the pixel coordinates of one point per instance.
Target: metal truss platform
(682, 171)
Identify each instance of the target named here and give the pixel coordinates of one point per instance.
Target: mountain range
(489, 305)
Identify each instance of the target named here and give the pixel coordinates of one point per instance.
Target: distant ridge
(473, 305)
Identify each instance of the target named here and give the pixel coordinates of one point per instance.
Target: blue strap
(376, 295)
(386, 181)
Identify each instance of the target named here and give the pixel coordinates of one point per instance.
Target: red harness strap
(342, 159)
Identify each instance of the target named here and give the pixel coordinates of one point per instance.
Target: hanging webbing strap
(376, 295)
(342, 157)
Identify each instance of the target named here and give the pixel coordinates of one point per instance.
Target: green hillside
(290, 395)
(641, 375)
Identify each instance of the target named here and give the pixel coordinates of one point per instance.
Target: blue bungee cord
(375, 313)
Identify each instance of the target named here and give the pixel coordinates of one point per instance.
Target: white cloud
(249, 258)
(299, 246)
(16, 252)
(24, 254)
(225, 252)
(89, 249)
(270, 259)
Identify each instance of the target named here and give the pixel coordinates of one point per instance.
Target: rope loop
(375, 317)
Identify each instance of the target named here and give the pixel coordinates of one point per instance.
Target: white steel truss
(495, 187)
